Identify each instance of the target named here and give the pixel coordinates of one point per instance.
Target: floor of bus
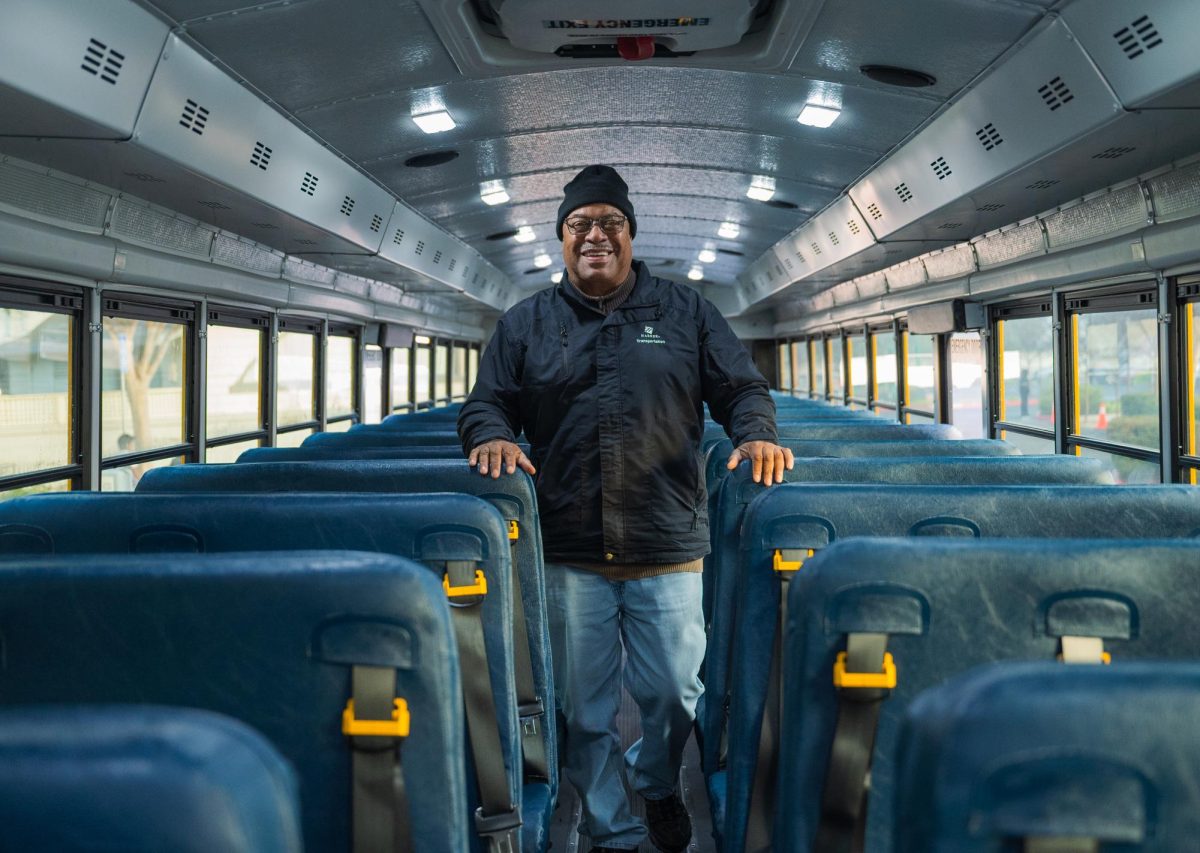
(564, 828)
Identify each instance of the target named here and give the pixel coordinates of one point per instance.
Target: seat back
(383, 438)
(513, 496)
(436, 530)
(267, 638)
(739, 489)
(1036, 750)
(328, 451)
(204, 782)
(796, 519)
(946, 606)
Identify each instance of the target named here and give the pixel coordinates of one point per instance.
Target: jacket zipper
(562, 334)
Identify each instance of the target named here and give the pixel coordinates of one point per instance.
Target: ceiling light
(556, 277)
(815, 115)
(707, 256)
(492, 192)
(434, 122)
(761, 188)
(696, 273)
(421, 339)
(729, 230)
(524, 235)
(542, 261)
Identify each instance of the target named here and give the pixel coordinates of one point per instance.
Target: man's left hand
(768, 460)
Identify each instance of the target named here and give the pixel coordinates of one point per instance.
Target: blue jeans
(659, 622)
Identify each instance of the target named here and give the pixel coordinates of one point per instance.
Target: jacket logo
(648, 336)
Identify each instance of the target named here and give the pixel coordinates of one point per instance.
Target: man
(606, 374)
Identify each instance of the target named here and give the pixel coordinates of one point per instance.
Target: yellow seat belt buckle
(885, 680)
(397, 726)
(514, 530)
(477, 588)
(780, 564)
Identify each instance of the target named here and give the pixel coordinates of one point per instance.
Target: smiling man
(607, 375)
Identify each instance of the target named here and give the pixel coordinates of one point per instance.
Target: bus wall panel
(78, 69)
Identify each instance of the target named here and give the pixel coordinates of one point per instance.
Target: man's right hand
(498, 455)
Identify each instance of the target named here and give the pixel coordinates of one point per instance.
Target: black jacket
(612, 408)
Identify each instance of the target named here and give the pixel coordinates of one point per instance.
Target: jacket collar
(645, 291)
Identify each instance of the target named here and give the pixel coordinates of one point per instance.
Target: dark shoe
(670, 827)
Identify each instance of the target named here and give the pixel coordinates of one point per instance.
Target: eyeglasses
(580, 225)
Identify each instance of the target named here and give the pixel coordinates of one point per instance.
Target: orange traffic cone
(1102, 418)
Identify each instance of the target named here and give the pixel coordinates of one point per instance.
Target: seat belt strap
(496, 819)
(864, 676)
(785, 563)
(376, 722)
(529, 704)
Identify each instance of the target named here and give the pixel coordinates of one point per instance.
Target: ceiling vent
(1055, 93)
(101, 61)
(1138, 37)
(940, 168)
(989, 137)
(194, 117)
(261, 156)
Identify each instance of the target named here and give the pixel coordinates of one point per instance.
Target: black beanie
(596, 185)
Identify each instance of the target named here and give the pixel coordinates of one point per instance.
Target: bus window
(820, 351)
(884, 390)
(785, 367)
(798, 356)
(1026, 373)
(441, 372)
(458, 371)
(35, 390)
(966, 377)
(339, 377)
(423, 383)
(372, 384)
(229, 452)
(294, 388)
(234, 381)
(401, 358)
(919, 378)
(856, 362)
(142, 385)
(837, 369)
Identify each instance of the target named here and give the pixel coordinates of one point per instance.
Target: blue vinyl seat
(940, 607)
(1017, 751)
(456, 536)
(274, 640)
(852, 429)
(384, 438)
(441, 413)
(325, 451)
(739, 489)
(514, 497)
(789, 522)
(77, 779)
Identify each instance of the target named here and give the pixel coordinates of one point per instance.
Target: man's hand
(768, 460)
(496, 455)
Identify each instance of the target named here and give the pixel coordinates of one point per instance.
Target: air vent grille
(874, 210)
(145, 177)
(1018, 242)
(787, 262)
(1176, 194)
(1114, 153)
(989, 208)
(1056, 93)
(376, 223)
(347, 205)
(940, 168)
(1115, 212)
(213, 205)
(950, 263)
(989, 137)
(101, 61)
(949, 226)
(398, 237)
(1042, 185)
(267, 226)
(816, 249)
(833, 238)
(309, 184)
(307, 242)
(194, 117)
(420, 247)
(904, 193)
(437, 256)
(453, 263)
(261, 156)
(853, 226)
(1138, 37)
